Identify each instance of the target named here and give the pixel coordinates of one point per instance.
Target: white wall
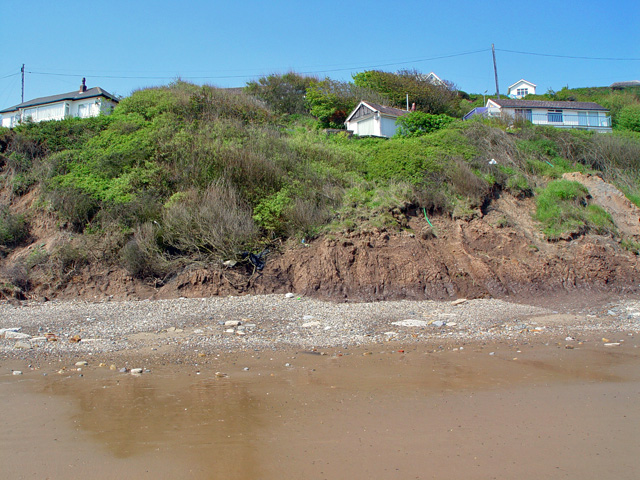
(90, 107)
(388, 126)
(513, 90)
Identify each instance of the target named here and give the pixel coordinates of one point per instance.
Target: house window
(521, 92)
(554, 116)
(524, 114)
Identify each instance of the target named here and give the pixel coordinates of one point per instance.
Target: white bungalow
(82, 103)
(581, 115)
(521, 88)
(370, 119)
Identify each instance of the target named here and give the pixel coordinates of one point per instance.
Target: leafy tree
(415, 124)
(428, 97)
(283, 93)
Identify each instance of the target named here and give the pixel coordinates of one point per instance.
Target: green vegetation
(185, 173)
(563, 210)
(417, 123)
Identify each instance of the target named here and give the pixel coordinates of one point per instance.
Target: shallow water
(543, 412)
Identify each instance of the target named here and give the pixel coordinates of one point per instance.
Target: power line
(570, 56)
(209, 77)
(10, 75)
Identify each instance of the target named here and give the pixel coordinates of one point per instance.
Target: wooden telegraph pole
(22, 70)
(495, 69)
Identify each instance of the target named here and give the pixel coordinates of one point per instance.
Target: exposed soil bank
(495, 256)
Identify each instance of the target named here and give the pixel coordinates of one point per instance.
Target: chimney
(83, 87)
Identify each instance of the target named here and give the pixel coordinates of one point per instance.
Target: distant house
(623, 85)
(521, 89)
(370, 119)
(82, 103)
(433, 79)
(581, 115)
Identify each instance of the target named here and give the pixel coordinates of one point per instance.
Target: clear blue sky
(122, 46)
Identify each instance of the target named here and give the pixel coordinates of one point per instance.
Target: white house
(370, 119)
(82, 103)
(521, 89)
(433, 79)
(582, 115)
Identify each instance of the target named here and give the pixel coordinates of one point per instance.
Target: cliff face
(499, 253)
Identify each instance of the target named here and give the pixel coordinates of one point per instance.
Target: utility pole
(22, 70)
(495, 69)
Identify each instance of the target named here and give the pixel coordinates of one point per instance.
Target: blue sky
(122, 46)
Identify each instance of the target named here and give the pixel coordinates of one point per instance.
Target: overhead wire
(617, 59)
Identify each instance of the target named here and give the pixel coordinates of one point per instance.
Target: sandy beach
(493, 390)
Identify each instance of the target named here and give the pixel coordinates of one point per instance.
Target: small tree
(428, 97)
(283, 93)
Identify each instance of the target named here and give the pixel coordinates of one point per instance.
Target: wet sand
(544, 411)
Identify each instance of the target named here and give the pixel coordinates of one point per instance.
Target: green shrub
(142, 256)
(629, 117)
(214, 223)
(13, 227)
(415, 124)
(519, 186)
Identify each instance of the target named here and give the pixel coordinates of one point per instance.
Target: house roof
(75, 95)
(631, 83)
(520, 81)
(513, 103)
(384, 110)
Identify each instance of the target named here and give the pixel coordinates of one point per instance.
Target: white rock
(16, 335)
(22, 345)
(451, 324)
(438, 323)
(459, 301)
(612, 344)
(136, 371)
(16, 372)
(232, 323)
(82, 363)
(229, 330)
(289, 295)
(391, 334)
(410, 322)
(310, 324)
(11, 329)
(308, 317)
